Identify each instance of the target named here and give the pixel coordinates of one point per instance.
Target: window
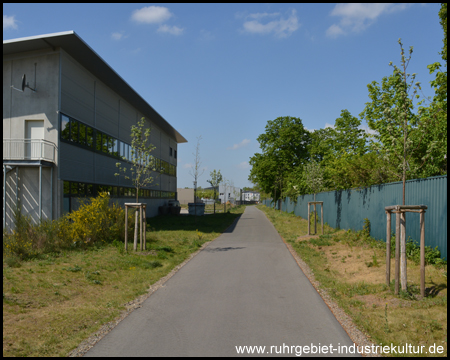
(66, 188)
(73, 188)
(65, 128)
(89, 136)
(99, 141)
(175, 156)
(170, 151)
(73, 130)
(105, 143)
(115, 147)
(82, 128)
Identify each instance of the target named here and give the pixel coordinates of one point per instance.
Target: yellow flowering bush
(94, 222)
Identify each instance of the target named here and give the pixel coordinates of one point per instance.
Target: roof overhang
(71, 43)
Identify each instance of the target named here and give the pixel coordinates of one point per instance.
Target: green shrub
(95, 222)
(19, 244)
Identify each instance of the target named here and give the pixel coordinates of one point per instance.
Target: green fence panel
(347, 209)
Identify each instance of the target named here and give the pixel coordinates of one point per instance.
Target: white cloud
(9, 22)
(206, 35)
(356, 17)
(334, 31)
(367, 129)
(188, 166)
(151, 14)
(243, 165)
(117, 36)
(241, 144)
(280, 27)
(328, 125)
(174, 30)
(261, 15)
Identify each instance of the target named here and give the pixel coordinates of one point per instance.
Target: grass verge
(55, 301)
(350, 266)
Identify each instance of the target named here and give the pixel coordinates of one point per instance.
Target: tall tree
(391, 114)
(284, 147)
(196, 170)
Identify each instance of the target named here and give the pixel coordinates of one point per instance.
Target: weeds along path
(242, 289)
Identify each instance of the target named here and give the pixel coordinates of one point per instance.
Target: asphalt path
(243, 289)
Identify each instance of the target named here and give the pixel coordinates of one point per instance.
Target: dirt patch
(307, 237)
(354, 263)
(373, 299)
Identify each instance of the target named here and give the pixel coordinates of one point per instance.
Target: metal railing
(29, 149)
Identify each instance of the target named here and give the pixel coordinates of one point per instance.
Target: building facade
(250, 196)
(66, 125)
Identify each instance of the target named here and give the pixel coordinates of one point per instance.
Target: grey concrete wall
(18, 107)
(185, 196)
(88, 100)
(40, 105)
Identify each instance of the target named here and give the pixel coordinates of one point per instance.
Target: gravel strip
(357, 336)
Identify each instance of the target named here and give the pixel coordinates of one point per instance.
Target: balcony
(29, 149)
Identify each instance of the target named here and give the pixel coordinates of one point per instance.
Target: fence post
(126, 227)
(321, 215)
(397, 250)
(422, 253)
(140, 224)
(388, 248)
(309, 225)
(145, 227)
(403, 250)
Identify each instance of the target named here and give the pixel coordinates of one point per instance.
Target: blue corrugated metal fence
(347, 209)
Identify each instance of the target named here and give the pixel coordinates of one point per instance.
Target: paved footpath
(243, 289)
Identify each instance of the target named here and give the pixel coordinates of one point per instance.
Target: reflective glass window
(66, 187)
(81, 189)
(82, 129)
(89, 136)
(73, 130)
(65, 127)
(105, 143)
(99, 141)
(115, 147)
(74, 188)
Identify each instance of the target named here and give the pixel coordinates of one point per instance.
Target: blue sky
(223, 70)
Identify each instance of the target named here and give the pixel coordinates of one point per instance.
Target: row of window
(78, 133)
(83, 189)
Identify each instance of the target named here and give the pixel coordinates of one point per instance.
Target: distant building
(250, 196)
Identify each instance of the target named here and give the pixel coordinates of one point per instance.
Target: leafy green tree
(320, 146)
(391, 114)
(349, 138)
(437, 112)
(314, 177)
(216, 179)
(142, 162)
(284, 147)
